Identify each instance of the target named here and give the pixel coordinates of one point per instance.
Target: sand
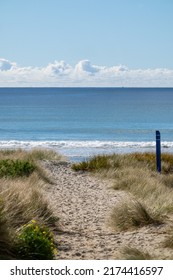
(84, 204)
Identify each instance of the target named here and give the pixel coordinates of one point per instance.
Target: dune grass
(97, 163)
(19, 161)
(6, 247)
(136, 175)
(24, 200)
(130, 213)
(23, 183)
(34, 154)
(118, 161)
(130, 253)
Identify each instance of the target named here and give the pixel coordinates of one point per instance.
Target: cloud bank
(83, 74)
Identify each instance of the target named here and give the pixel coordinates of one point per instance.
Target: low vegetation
(23, 182)
(27, 221)
(6, 246)
(130, 213)
(130, 253)
(28, 161)
(33, 155)
(15, 168)
(118, 161)
(97, 163)
(35, 242)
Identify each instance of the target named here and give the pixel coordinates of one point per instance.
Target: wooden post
(158, 151)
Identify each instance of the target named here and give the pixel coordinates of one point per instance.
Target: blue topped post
(158, 151)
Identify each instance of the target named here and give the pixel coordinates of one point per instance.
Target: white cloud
(84, 67)
(6, 65)
(84, 73)
(58, 68)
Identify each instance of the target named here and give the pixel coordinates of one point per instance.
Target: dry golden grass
(130, 253)
(23, 199)
(147, 186)
(34, 154)
(137, 253)
(6, 236)
(130, 214)
(45, 154)
(119, 161)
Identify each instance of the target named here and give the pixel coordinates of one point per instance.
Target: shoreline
(77, 151)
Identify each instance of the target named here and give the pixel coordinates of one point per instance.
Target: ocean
(82, 122)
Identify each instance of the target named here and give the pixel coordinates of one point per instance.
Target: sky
(86, 43)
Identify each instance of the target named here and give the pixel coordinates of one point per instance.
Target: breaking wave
(79, 150)
(81, 144)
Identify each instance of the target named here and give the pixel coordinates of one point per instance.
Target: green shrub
(35, 242)
(15, 168)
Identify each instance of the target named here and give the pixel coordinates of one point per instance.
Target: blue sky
(87, 35)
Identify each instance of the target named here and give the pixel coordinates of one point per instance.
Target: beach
(80, 123)
(84, 204)
(86, 137)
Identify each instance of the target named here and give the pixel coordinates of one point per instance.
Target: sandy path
(84, 204)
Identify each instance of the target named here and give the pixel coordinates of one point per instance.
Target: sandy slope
(84, 204)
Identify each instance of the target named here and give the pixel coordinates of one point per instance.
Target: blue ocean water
(80, 122)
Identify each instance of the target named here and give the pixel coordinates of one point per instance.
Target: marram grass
(19, 162)
(130, 214)
(6, 247)
(130, 253)
(23, 184)
(98, 163)
(118, 161)
(34, 154)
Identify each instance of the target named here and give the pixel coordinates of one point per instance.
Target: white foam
(80, 150)
(81, 144)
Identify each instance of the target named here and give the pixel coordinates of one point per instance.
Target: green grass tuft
(97, 163)
(15, 168)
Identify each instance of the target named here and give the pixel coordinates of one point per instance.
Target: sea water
(81, 122)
